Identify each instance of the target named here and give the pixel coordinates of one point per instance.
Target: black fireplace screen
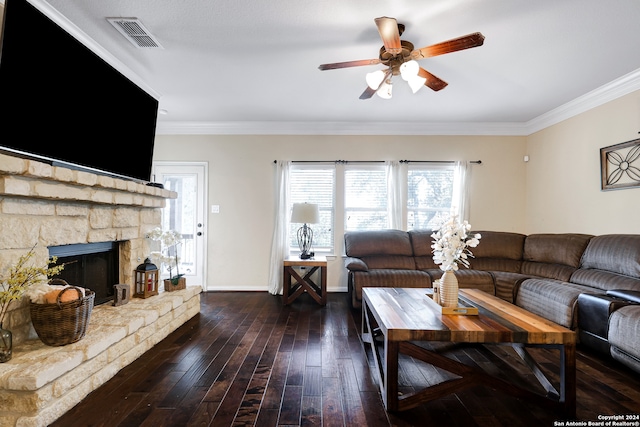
(93, 266)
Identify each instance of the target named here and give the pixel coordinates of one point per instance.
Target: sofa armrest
(625, 294)
(355, 264)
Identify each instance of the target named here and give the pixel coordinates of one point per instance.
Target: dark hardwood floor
(248, 360)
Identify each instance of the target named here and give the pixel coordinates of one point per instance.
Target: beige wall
(241, 181)
(563, 174)
(558, 190)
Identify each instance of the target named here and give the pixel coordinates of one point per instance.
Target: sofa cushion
(563, 249)
(389, 261)
(624, 335)
(617, 253)
(604, 280)
(469, 279)
(495, 264)
(498, 251)
(505, 282)
(554, 256)
(421, 242)
(425, 263)
(552, 299)
(388, 278)
(379, 242)
(548, 270)
(499, 244)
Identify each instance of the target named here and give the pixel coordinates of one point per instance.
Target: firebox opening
(92, 266)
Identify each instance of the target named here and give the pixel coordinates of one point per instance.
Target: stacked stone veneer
(41, 206)
(41, 383)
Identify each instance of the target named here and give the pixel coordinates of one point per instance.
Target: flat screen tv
(62, 103)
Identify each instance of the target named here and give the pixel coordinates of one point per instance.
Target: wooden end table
(402, 316)
(292, 290)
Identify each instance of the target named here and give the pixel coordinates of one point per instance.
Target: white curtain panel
(280, 241)
(396, 177)
(461, 189)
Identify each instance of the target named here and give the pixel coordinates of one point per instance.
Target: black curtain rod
(334, 161)
(478, 162)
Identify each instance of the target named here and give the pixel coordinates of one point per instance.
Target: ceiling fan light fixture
(375, 78)
(400, 58)
(409, 70)
(416, 82)
(384, 91)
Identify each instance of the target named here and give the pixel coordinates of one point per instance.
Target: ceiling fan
(400, 57)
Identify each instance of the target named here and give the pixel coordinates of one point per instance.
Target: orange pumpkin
(51, 297)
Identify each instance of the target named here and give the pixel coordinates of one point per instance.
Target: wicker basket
(63, 323)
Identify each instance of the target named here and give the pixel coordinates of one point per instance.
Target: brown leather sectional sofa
(587, 283)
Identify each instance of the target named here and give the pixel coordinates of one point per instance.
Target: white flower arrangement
(451, 244)
(167, 256)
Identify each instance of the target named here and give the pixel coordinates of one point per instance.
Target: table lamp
(305, 213)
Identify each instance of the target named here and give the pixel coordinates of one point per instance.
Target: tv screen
(61, 101)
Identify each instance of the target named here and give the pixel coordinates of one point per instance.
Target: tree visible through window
(429, 196)
(365, 198)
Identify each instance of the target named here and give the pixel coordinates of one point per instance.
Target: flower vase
(449, 289)
(6, 345)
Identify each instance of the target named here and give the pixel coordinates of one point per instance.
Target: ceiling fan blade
(433, 82)
(368, 93)
(348, 64)
(453, 45)
(390, 35)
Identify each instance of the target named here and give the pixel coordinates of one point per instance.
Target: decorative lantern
(146, 279)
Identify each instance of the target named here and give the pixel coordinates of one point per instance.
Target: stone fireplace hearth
(43, 206)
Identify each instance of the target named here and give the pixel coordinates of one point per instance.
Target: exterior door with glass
(186, 214)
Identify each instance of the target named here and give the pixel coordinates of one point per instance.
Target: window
(430, 191)
(365, 198)
(359, 196)
(314, 184)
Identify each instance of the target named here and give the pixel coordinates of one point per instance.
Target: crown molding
(337, 128)
(620, 87)
(623, 86)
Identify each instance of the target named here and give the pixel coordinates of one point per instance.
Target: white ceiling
(252, 66)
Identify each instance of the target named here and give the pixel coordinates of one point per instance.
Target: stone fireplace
(49, 207)
(45, 206)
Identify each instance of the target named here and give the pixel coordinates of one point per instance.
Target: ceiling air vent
(134, 31)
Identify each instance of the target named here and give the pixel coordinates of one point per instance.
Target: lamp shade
(409, 69)
(416, 82)
(375, 78)
(305, 213)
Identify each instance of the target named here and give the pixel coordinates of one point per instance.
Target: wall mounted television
(62, 103)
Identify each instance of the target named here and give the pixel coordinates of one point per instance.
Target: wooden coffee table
(400, 317)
